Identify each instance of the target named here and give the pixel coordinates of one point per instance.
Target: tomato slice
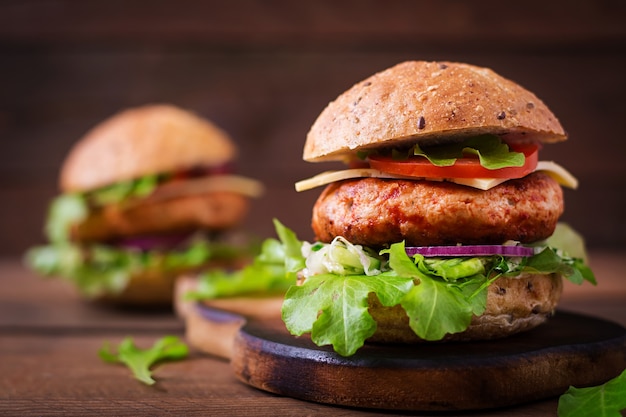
(419, 166)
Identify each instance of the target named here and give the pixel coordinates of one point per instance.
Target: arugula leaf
(439, 295)
(64, 211)
(549, 261)
(491, 151)
(442, 156)
(435, 307)
(139, 361)
(266, 274)
(103, 269)
(294, 261)
(568, 240)
(335, 309)
(120, 191)
(607, 400)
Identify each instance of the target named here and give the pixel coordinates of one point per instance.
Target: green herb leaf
(568, 240)
(491, 151)
(102, 269)
(124, 190)
(607, 400)
(439, 295)
(64, 211)
(140, 360)
(335, 309)
(265, 275)
(435, 307)
(442, 156)
(549, 261)
(294, 261)
(272, 271)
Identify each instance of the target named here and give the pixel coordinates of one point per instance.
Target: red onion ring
(470, 250)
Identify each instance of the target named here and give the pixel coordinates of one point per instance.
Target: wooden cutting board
(570, 349)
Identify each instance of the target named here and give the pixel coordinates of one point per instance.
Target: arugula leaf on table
(607, 400)
(140, 360)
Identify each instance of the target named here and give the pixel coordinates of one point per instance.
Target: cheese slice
(560, 174)
(212, 183)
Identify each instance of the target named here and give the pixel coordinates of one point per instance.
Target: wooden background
(263, 70)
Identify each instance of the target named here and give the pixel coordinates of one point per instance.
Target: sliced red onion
(470, 250)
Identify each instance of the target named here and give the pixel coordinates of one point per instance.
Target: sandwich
(444, 224)
(146, 195)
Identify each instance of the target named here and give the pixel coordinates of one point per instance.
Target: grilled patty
(378, 212)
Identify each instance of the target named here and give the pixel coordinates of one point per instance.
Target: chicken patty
(378, 212)
(209, 211)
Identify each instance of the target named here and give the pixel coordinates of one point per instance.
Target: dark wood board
(570, 349)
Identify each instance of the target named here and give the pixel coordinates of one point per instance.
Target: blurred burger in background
(147, 195)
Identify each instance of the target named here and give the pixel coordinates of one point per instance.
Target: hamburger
(444, 226)
(146, 195)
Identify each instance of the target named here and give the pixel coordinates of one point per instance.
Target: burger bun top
(427, 103)
(142, 141)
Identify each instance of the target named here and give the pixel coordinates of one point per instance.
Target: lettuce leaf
(124, 190)
(335, 309)
(272, 271)
(437, 306)
(139, 360)
(101, 269)
(294, 260)
(439, 295)
(491, 151)
(608, 400)
(64, 211)
(267, 274)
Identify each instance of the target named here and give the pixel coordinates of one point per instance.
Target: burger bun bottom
(513, 305)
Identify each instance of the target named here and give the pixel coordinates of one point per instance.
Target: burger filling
(100, 239)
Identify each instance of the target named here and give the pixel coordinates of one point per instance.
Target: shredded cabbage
(339, 257)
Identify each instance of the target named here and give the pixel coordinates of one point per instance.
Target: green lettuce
(335, 311)
(101, 269)
(139, 361)
(124, 190)
(608, 400)
(267, 274)
(439, 295)
(490, 150)
(64, 211)
(273, 270)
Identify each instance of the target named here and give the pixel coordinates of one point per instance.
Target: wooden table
(49, 364)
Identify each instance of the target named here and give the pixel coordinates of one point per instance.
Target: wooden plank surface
(49, 364)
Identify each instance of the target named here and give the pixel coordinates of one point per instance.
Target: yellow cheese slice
(560, 174)
(212, 183)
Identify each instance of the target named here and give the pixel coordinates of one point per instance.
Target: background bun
(141, 141)
(419, 102)
(513, 305)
